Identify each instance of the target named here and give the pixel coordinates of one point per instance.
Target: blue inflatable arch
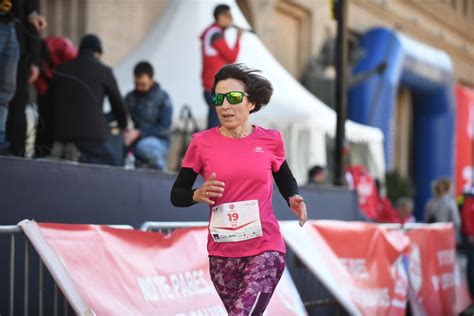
(428, 73)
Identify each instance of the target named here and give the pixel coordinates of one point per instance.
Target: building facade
(294, 31)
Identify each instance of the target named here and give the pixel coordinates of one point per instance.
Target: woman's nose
(225, 104)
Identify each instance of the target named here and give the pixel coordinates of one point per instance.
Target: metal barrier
(65, 298)
(316, 298)
(13, 233)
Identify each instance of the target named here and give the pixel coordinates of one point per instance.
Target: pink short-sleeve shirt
(245, 165)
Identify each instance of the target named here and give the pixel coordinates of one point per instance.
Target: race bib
(231, 222)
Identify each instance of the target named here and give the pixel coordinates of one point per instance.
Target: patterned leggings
(245, 285)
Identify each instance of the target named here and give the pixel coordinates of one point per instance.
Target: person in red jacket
(216, 53)
(56, 51)
(386, 213)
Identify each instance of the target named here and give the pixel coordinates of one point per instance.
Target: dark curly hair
(258, 88)
(143, 68)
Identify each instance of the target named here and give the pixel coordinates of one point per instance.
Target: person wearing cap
(217, 53)
(76, 94)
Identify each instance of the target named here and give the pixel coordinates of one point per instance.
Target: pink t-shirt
(245, 165)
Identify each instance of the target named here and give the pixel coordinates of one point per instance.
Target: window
(65, 18)
(293, 36)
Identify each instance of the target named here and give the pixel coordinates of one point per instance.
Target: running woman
(246, 249)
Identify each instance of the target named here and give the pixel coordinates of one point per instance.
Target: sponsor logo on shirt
(258, 149)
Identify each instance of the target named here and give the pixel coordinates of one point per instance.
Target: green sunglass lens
(217, 99)
(234, 97)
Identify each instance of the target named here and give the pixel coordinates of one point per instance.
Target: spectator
(76, 94)
(151, 111)
(56, 51)
(216, 53)
(364, 184)
(404, 212)
(26, 12)
(29, 24)
(442, 206)
(317, 175)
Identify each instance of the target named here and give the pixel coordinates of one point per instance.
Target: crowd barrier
(368, 269)
(27, 289)
(317, 300)
(107, 271)
(375, 269)
(37, 282)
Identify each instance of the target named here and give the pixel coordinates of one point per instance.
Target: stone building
(293, 31)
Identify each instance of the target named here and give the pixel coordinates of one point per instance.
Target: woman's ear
(251, 106)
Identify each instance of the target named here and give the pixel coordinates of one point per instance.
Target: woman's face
(233, 115)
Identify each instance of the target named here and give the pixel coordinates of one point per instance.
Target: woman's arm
(182, 191)
(183, 194)
(288, 188)
(285, 182)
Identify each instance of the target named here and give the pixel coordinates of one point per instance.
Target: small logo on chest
(258, 149)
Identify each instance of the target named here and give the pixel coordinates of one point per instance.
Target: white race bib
(231, 222)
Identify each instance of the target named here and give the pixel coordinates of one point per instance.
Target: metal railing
(35, 288)
(11, 231)
(25, 258)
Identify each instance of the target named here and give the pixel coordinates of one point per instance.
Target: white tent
(173, 47)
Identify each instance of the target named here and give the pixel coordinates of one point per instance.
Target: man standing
(12, 39)
(10, 53)
(76, 94)
(151, 111)
(29, 26)
(216, 53)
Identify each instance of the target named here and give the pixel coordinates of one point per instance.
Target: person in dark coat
(76, 94)
(56, 50)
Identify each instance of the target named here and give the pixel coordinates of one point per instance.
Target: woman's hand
(298, 207)
(210, 189)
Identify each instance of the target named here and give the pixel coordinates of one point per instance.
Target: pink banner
(371, 268)
(464, 138)
(360, 263)
(436, 284)
(129, 272)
